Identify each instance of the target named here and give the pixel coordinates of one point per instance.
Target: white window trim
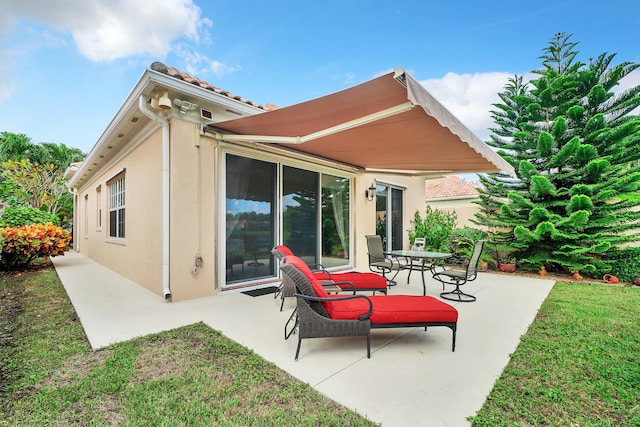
(117, 203)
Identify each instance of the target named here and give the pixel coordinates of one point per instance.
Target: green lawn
(578, 365)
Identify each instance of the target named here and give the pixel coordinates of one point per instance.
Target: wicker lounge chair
(350, 281)
(322, 315)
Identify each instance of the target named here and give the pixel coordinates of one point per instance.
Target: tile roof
(448, 187)
(177, 74)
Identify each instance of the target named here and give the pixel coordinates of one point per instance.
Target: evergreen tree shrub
(575, 147)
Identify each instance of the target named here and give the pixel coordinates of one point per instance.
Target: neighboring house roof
(449, 187)
(177, 74)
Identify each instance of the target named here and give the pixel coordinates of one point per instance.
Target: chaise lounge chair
(350, 281)
(322, 315)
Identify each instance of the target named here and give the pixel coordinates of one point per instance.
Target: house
(450, 194)
(190, 186)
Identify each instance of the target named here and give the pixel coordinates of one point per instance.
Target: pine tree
(575, 148)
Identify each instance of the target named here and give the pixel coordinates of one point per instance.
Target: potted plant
(483, 265)
(507, 264)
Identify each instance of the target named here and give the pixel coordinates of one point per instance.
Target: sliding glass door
(389, 212)
(250, 208)
(315, 216)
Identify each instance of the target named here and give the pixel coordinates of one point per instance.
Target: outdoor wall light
(164, 102)
(185, 106)
(371, 192)
(154, 102)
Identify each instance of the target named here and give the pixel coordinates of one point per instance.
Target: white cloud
(105, 30)
(469, 97)
(630, 80)
(6, 90)
(349, 78)
(6, 86)
(199, 65)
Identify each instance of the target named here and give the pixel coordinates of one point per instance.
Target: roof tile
(449, 186)
(177, 74)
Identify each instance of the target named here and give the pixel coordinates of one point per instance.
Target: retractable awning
(388, 124)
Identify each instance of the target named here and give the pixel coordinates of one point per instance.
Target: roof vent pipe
(142, 103)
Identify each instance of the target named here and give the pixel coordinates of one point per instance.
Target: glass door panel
(300, 212)
(335, 220)
(397, 229)
(250, 218)
(381, 214)
(389, 210)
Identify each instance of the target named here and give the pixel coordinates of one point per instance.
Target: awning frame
(334, 130)
(369, 118)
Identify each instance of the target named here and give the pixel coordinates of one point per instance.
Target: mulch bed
(561, 278)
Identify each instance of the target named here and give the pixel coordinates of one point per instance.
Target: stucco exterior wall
(139, 255)
(465, 208)
(192, 213)
(364, 212)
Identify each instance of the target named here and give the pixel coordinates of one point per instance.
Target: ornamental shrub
(19, 246)
(15, 216)
(461, 242)
(435, 227)
(625, 264)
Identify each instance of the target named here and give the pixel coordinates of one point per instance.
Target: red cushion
(359, 280)
(395, 309)
(284, 249)
(304, 269)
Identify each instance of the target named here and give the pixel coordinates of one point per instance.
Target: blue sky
(67, 66)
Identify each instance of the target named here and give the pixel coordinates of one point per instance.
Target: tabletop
(419, 254)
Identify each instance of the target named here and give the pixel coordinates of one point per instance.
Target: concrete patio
(412, 378)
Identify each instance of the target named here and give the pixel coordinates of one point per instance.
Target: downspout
(142, 103)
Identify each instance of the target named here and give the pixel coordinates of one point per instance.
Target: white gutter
(142, 103)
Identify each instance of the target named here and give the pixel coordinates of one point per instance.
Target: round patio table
(429, 260)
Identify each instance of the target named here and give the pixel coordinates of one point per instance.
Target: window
(116, 206)
(86, 215)
(99, 206)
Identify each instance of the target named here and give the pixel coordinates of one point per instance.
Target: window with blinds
(117, 207)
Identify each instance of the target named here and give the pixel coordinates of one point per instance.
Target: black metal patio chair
(459, 276)
(379, 262)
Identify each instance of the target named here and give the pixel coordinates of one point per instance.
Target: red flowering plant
(19, 246)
